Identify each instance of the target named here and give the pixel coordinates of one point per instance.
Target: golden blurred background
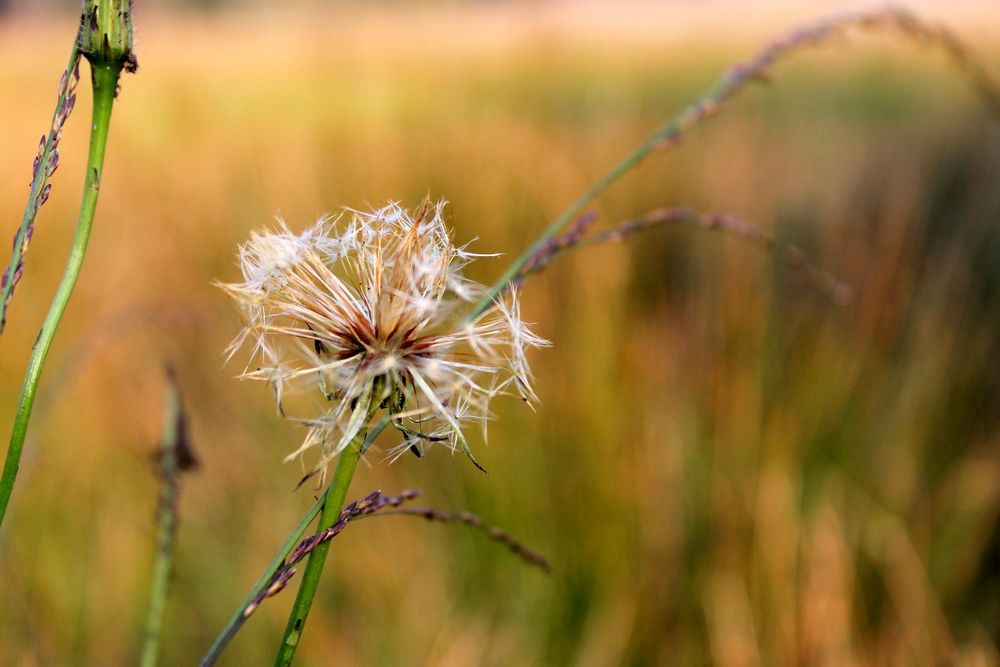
(724, 467)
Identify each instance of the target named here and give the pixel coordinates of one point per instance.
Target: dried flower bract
(365, 314)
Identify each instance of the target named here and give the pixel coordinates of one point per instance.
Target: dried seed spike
(468, 518)
(281, 576)
(279, 582)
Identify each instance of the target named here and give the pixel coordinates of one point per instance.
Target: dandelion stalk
(241, 615)
(105, 39)
(336, 494)
(347, 463)
(246, 607)
(735, 81)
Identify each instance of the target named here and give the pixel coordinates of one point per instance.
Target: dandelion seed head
(367, 310)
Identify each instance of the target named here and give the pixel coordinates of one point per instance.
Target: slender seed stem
(603, 183)
(167, 527)
(347, 463)
(735, 81)
(105, 83)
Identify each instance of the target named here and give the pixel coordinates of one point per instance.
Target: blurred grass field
(724, 467)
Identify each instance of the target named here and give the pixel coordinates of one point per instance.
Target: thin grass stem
(174, 458)
(733, 82)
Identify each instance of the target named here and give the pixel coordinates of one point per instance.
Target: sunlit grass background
(724, 467)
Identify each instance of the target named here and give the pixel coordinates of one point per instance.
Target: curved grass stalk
(577, 236)
(283, 568)
(105, 83)
(891, 18)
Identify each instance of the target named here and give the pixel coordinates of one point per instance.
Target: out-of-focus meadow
(724, 467)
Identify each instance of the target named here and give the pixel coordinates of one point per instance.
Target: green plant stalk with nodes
(165, 532)
(105, 39)
(236, 622)
(105, 82)
(336, 494)
(242, 613)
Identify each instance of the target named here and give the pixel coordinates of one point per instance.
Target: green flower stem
(240, 617)
(293, 540)
(347, 463)
(105, 82)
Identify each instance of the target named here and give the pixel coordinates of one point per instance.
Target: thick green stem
(336, 494)
(347, 463)
(105, 82)
(240, 617)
